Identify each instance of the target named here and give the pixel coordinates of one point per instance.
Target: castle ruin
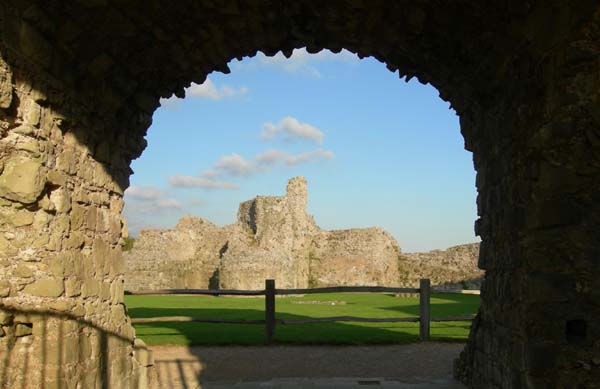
(273, 237)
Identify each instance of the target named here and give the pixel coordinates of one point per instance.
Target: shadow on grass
(192, 369)
(442, 305)
(348, 333)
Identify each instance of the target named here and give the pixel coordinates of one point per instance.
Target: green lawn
(357, 304)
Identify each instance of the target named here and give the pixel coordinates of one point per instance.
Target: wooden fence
(270, 292)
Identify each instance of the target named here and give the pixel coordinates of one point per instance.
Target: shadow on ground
(417, 365)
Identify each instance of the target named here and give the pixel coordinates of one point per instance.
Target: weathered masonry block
(80, 80)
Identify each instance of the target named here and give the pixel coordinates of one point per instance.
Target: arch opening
(326, 137)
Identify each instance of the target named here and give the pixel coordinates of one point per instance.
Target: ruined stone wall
(186, 257)
(453, 268)
(63, 323)
(360, 256)
(274, 245)
(274, 238)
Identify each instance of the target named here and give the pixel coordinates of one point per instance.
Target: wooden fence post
(424, 310)
(269, 310)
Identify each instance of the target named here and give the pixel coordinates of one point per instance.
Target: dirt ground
(194, 367)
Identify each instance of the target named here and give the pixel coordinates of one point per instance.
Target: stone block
(22, 271)
(23, 329)
(46, 204)
(4, 288)
(24, 129)
(78, 310)
(60, 305)
(41, 220)
(105, 291)
(34, 112)
(74, 241)
(90, 218)
(77, 216)
(6, 84)
(56, 178)
(66, 161)
(22, 180)
(61, 200)
(58, 263)
(90, 288)
(72, 287)
(5, 318)
(45, 288)
(103, 220)
(21, 218)
(30, 145)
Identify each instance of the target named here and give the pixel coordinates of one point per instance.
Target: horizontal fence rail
(347, 289)
(270, 292)
(349, 318)
(210, 292)
(172, 319)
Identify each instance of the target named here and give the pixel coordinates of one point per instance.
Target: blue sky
(376, 151)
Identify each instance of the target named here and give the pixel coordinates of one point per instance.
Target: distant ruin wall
(365, 256)
(182, 258)
(275, 238)
(455, 267)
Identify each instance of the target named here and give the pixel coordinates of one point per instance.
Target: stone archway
(79, 82)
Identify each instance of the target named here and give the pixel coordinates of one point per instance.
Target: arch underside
(79, 82)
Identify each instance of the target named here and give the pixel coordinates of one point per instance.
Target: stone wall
(63, 323)
(360, 256)
(183, 258)
(453, 268)
(275, 238)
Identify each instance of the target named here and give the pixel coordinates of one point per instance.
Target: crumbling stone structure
(450, 269)
(186, 257)
(273, 238)
(79, 81)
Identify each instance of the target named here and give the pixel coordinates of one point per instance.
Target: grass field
(356, 304)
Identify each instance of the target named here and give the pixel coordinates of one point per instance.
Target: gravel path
(418, 365)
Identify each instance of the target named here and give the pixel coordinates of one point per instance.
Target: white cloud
(275, 157)
(208, 90)
(143, 193)
(151, 207)
(236, 165)
(168, 204)
(301, 61)
(310, 156)
(180, 181)
(291, 128)
(271, 157)
(233, 164)
(143, 203)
